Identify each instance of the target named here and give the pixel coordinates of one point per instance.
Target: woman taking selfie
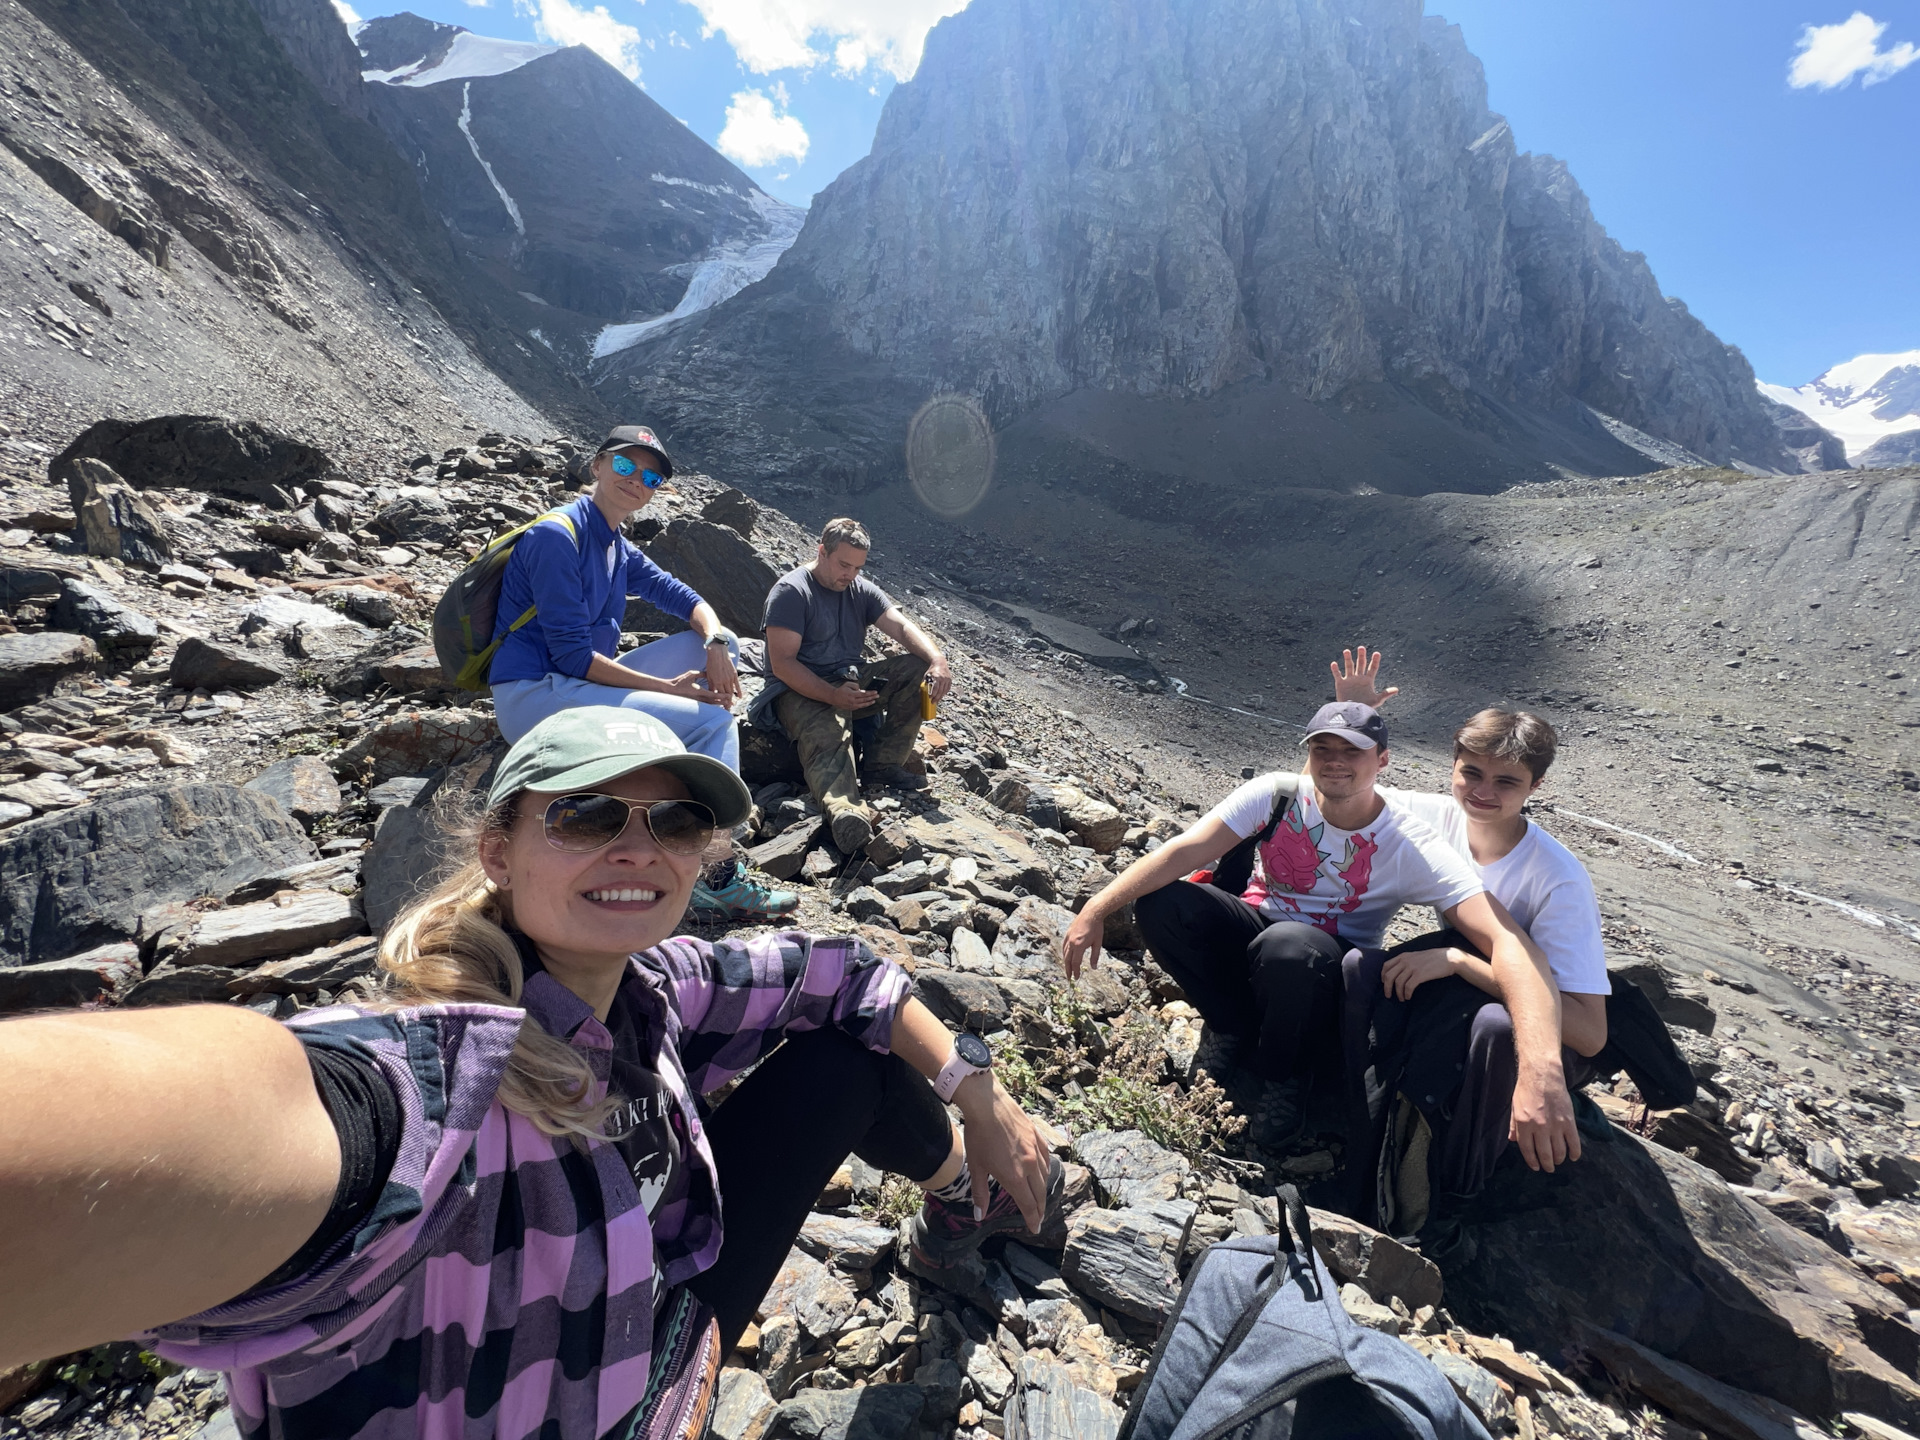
(493, 1204)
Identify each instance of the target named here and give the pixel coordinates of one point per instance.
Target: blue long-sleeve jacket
(579, 584)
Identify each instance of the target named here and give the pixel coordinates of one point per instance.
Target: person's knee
(1159, 905)
(830, 1062)
(1491, 1034)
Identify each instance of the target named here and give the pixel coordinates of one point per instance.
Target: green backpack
(463, 621)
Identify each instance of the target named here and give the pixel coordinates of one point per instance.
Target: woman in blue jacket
(574, 571)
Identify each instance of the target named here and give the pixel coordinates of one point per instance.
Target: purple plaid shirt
(503, 1284)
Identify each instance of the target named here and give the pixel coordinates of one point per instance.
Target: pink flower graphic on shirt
(1357, 873)
(1291, 858)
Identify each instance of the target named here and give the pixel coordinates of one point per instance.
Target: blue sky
(1785, 216)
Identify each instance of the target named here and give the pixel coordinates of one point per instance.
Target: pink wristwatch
(970, 1057)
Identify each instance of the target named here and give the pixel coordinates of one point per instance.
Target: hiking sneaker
(1280, 1116)
(944, 1233)
(741, 899)
(1218, 1053)
(851, 832)
(897, 777)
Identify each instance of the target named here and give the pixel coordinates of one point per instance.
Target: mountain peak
(407, 49)
(1871, 402)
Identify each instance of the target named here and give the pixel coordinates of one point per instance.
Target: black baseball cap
(622, 436)
(1356, 724)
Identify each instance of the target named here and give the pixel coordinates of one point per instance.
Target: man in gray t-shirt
(848, 719)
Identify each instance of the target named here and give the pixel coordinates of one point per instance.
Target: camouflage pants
(825, 735)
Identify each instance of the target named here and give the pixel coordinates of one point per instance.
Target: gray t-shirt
(832, 623)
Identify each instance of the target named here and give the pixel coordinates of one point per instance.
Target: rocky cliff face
(1304, 200)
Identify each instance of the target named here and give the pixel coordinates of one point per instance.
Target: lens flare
(950, 455)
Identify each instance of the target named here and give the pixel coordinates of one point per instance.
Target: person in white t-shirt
(1500, 758)
(1330, 866)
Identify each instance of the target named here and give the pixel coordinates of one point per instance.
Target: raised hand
(1355, 677)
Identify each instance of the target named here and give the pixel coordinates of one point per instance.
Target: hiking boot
(897, 777)
(944, 1233)
(1218, 1053)
(851, 832)
(1281, 1115)
(742, 899)
(1447, 1241)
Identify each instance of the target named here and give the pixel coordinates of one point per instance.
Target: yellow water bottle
(927, 708)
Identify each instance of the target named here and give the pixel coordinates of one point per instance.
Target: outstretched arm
(153, 1164)
(1542, 1110)
(1203, 843)
(1356, 678)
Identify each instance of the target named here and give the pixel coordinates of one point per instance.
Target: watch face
(973, 1050)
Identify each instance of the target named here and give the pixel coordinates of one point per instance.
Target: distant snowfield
(470, 57)
(727, 270)
(1861, 401)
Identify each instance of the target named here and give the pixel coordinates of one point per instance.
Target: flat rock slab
(416, 742)
(1029, 940)
(283, 925)
(43, 792)
(1132, 1169)
(1377, 1263)
(849, 1244)
(1001, 854)
(1127, 1259)
(780, 857)
(1680, 1388)
(1659, 1247)
(1070, 635)
(218, 665)
(413, 672)
(964, 1001)
(105, 974)
(876, 1412)
(325, 969)
(82, 878)
(31, 665)
(1052, 1405)
(742, 1406)
(116, 628)
(303, 785)
(811, 1293)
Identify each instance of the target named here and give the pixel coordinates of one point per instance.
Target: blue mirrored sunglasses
(652, 479)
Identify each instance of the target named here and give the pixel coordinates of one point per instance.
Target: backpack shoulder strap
(1286, 789)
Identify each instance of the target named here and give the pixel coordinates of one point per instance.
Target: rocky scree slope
(192, 223)
(222, 766)
(1273, 218)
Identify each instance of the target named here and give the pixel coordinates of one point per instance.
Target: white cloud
(771, 35)
(759, 132)
(480, 5)
(1832, 55)
(560, 22)
(348, 15)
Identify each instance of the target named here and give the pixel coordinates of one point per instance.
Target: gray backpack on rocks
(1259, 1348)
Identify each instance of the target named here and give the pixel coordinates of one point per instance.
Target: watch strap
(951, 1074)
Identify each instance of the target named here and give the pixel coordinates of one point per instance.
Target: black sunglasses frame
(646, 809)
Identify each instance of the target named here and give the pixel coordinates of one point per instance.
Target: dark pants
(1450, 1050)
(1275, 983)
(779, 1137)
(826, 736)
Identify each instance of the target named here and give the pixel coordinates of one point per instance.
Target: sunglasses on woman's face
(623, 467)
(582, 823)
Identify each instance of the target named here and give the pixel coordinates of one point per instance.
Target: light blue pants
(704, 729)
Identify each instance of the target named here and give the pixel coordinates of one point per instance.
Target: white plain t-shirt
(1543, 885)
(1347, 882)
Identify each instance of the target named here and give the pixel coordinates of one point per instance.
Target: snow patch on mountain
(719, 275)
(469, 57)
(466, 129)
(1862, 401)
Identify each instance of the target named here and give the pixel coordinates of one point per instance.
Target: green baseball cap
(578, 749)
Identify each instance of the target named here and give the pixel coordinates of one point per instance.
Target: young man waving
(1331, 865)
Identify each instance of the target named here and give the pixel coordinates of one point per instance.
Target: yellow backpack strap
(522, 620)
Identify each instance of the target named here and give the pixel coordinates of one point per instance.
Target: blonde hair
(451, 946)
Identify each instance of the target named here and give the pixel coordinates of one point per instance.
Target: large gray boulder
(197, 452)
(31, 665)
(80, 879)
(113, 520)
(718, 562)
(1656, 1248)
(119, 630)
(221, 665)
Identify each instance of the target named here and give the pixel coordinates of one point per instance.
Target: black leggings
(780, 1136)
(1276, 983)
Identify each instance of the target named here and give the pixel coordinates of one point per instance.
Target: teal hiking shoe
(741, 899)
